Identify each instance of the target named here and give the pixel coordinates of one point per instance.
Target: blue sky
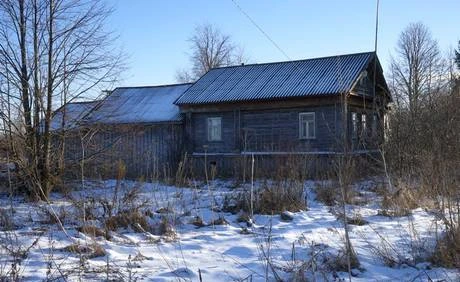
(154, 33)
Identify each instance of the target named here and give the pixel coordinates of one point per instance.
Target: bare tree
(210, 48)
(422, 143)
(457, 56)
(416, 66)
(53, 51)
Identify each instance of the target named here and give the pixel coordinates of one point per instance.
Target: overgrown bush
(447, 251)
(401, 202)
(6, 221)
(93, 231)
(339, 262)
(327, 194)
(271, 197)
(89, 251)
(133, 219)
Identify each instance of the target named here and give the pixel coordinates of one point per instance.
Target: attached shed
(139, 127)
(137, 130)
(70, 115)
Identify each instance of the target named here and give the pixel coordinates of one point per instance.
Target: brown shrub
(401, 202)
(198, 222)
(93, 231)
(6, 221)
(356, 219)
(243, 217)
(166, 229)
(53, 216)
(88, 251)
(340, 261)
(327, 194)
(218, 221)
(447, 251)
(394, 213)
(135, 220)
(271, 198)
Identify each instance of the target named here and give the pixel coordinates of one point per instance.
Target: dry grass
(53, 216)
(198, 222)
(93, 231)
(401, 202)
(447, 251)
(88, 251)
(243, 217)
(166, 229)
(276, 197)
(218, 221)
(340, 261)
(6, 221)
(134, 219)
(356, 219)
(327, 194)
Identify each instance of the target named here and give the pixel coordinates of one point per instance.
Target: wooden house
(312, 108)
(315, 107)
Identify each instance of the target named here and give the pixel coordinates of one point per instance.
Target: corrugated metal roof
(149, 104)
(74, 112)
(312, 77)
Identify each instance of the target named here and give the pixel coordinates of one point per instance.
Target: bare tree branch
(210, 48)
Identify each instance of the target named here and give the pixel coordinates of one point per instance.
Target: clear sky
(154, 33)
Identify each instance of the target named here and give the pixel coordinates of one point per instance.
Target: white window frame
(308, 123)
(210, 129)
(354, 125)
(374, 125)
(364, 124)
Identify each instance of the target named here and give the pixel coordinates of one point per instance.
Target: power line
(261, 30)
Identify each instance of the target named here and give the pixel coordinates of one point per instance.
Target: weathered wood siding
(200, 133)
(277, 130)
(267, 130)
(150, 151)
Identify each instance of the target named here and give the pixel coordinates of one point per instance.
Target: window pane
(354, 124)
(304, 130)
(307, 125)
(214, 129)
(311, 129)
(364, 124)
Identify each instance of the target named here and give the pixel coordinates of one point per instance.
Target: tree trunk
(46, 172)
(25, 78)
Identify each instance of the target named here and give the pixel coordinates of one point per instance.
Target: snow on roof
(147, 104)
(74, 112)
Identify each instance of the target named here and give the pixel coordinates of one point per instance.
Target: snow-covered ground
(270, 249)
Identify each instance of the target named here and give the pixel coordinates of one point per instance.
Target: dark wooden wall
(267, 129)
(200, 133)
(149, 151)
(277, 130)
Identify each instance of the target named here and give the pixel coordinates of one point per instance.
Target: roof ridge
(294, 61)
(82, 102)
(154, 86)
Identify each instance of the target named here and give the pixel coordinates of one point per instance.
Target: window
(215, 129)
(364, 124)
(354, 125)
(307, 126)
(374, 125)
